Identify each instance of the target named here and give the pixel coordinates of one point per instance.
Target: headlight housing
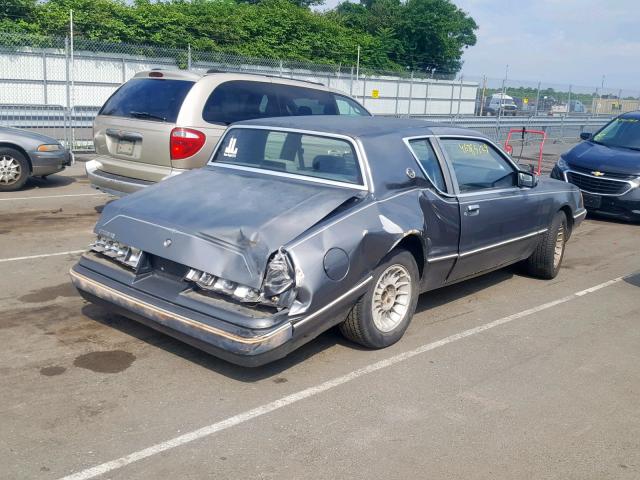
(54, 147)
(562, 164)
(277, 289)
(129, 256)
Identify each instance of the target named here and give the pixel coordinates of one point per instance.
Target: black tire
(543, 262)
(360, 326)
(16, 160)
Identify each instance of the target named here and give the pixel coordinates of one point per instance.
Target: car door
(440, 209)
(499, 221)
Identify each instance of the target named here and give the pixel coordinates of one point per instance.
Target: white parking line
(30, 257)
(53, 196)
(315, 390)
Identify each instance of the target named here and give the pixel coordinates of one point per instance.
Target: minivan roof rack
(216, 70)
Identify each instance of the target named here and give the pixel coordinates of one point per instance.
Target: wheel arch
(569, 214)
(19, 149)
(412, 242)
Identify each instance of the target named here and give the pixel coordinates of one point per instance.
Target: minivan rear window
(148, 99)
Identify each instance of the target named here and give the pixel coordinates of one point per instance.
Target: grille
(619, 176)
(597, 185)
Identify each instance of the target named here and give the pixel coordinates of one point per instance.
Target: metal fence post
(410, 94)
(44, 78)
(535, 113)
(460, 95)
(364, 89)
(397, 96)
(188, 56)
(124, 70)
(426, 98)
(451, 102)
(67, 83)
(351, 83)
(281, 71)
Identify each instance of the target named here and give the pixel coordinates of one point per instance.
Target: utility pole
(72, 98)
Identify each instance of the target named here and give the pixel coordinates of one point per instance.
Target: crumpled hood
(607, 159)
(222, 221)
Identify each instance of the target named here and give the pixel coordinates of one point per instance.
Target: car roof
(361, 127)
(223, 75)
(635, 115)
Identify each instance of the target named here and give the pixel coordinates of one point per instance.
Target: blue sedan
(606, 168)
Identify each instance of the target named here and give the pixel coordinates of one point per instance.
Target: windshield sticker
(475, 149)
(231, 151)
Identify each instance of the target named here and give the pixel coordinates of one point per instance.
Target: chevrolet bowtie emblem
(597, 174)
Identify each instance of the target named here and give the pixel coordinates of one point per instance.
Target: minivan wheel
(546, 259)
(14, 170)
(383, 313)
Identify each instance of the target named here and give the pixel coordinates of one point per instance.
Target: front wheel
(383, 313)
(14, 170)
(546, 259)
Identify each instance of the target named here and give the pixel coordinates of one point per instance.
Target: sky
(555, 41)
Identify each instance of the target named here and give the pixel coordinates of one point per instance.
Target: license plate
(125, 147)
(591, 201)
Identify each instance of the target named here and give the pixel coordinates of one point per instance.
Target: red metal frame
(509, 148)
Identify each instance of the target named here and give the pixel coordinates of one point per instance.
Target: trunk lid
(222, 221)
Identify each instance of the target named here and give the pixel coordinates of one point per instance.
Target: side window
(347, 106)
(429, 162)
(305, 101)
(478, 165)
(240, 100)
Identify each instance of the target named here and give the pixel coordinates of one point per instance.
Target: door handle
(472, 210)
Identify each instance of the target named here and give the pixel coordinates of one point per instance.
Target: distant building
(614, 106)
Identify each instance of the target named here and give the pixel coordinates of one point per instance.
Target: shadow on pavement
(326, 340)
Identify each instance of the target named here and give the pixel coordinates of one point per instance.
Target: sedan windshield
(621, 132)
(326, 158)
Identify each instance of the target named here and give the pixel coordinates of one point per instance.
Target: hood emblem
(597, 174)
(167, 243)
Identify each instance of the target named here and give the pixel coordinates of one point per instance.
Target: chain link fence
(56, 86)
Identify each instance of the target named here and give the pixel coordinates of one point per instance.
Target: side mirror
(586, 136)
(527, 180)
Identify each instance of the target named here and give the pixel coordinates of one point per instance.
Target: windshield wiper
(133, 113)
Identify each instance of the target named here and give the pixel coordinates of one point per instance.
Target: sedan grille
(602, 186)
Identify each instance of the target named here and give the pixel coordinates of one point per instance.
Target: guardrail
(76, 127)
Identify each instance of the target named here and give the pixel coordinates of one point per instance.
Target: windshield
(621, 132)
(148, 99)
(294, 153)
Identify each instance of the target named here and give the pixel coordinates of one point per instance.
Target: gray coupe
(24, 154)
(299, 224)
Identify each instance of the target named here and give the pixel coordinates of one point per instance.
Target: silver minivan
(163, 122)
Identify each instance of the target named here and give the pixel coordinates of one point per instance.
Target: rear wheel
(14, 170)
(546, 259)
(383, 313)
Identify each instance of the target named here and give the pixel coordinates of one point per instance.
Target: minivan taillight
(185, 142)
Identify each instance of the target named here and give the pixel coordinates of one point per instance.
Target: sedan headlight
(562, 164)
(54, 147)
(280, 276)
(120, 252)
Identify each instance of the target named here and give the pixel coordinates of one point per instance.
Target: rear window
(148, 99)
(239, 100)
(294, 153)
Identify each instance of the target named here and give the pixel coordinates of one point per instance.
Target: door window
(347, 106)
(477, 165)
(423, 151)
(240, 100)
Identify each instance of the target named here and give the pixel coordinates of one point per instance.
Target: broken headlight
(120, 252)
(277, 289)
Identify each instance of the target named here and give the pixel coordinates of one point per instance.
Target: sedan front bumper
(47, 163)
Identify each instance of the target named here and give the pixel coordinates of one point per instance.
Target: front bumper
(219, 336)
(626, 206)
(47, 163)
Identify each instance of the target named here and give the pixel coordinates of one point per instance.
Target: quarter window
(346, 106)
(478, 165)
(240, 100)
(429, 162)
